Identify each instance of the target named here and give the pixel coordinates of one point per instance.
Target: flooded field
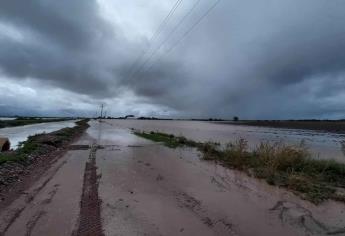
(20, 133)
(7, 118)
(194, 197)
(322, 145)
(113, 182)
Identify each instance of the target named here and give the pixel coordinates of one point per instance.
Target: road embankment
(34, 156)
(27, 121)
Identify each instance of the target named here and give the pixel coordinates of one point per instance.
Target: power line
(168, 37)
(194, 25)
(190, 29)
(156, 34)
(166, 20)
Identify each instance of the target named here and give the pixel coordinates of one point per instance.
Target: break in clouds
(255, 59)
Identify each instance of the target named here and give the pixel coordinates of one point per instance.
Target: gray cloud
(63, 45)
(268, 59)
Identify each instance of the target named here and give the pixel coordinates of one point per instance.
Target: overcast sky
(269, 59)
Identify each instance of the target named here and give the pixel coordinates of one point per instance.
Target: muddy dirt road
(114, 183)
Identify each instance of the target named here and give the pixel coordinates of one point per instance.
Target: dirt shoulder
(20, 168)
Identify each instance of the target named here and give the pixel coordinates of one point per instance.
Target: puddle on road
(227, 198)
(106, 134)
(160, 179)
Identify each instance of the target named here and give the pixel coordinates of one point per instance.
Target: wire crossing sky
(154, 37)
(270, 59)
(154, 52)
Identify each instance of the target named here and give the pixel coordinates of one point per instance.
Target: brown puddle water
(321, 144)
(148, 189)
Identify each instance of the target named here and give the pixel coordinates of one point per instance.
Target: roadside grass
(168, 140)
(290, 167)
(10, 157)
(42, 143)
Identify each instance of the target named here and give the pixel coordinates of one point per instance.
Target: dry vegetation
(281, 165)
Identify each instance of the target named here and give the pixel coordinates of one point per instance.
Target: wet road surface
(322, 145)
(125, 185)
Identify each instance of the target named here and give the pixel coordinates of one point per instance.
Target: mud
(57, 193)
(90, 211)
(125, 185)
(156, 190)
(29, 196)
(19, 175)
(296, 214)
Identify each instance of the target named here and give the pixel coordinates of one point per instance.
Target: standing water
(21, 133)
(7, 118)
(322, 145)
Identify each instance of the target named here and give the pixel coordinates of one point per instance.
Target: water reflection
(7, 118)
(21, 133)
(321, 144)
(106, 133)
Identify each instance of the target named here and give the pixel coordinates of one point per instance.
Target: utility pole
(102, 110)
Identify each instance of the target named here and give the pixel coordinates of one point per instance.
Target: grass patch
(10, 157)
(281, 165)
(168, 140)
(43, 143)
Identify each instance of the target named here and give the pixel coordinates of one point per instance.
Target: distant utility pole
(102, 110)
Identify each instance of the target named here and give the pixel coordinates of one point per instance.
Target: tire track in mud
(296, 215)
(30, 197)
(221, 226)
(32, 223)
(90, 205)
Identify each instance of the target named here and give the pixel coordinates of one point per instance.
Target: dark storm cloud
(263, 57)
(65, 70)
(63, 42)
(74, 24)
(255, 59)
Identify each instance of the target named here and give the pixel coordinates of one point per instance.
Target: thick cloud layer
(255, 59)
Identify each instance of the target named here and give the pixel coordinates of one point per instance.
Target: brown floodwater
(322, 145)
(149, 189)
(145, 188)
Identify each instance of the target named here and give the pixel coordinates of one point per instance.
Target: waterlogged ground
(120, 184)
(322, 145)
(7, 118)
(21, 133)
